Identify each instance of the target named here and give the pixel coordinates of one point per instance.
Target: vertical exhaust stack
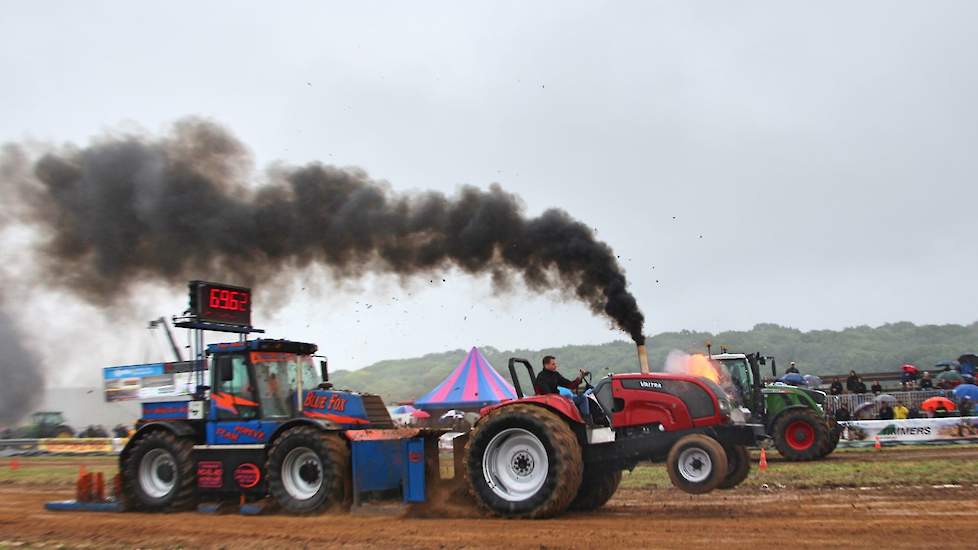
(643, 358)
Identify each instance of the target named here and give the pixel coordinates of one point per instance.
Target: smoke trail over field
(20, 374)
(128, 209)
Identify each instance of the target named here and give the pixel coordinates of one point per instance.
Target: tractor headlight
(724, 406)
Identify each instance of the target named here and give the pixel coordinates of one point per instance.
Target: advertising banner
(71, 445)
(149, 381)
(914, 430)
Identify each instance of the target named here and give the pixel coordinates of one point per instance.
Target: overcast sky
(808, 164)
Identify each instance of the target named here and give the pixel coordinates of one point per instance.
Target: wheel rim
(515, 464)
(800, 435)
(302, 473)
(695, 465)
(158, 473)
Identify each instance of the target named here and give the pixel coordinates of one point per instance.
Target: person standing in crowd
(913, 412)
(860, 385)
(836, 388)
(852, 382)
(886, 411)
(925, 382)
(966, 407)
(792, 368)
(900, 412)
(877, 388)
(842, 414)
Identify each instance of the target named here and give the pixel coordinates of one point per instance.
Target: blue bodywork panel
(342, 408)
(414, 482)
(377, 465)
(386, 464)
(241, 432)
(166, 410)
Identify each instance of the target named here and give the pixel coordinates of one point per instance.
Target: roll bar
(516, 380)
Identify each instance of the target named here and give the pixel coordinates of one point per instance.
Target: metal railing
(853, 401)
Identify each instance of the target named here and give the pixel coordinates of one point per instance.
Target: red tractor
(536, 456)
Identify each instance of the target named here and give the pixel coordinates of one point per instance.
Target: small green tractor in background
(793, 416)
(43, 425)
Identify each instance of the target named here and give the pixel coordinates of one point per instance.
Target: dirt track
(900, 517)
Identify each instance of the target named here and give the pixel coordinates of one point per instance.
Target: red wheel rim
(800, 435)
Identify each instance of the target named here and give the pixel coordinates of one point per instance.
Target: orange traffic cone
(763, 464)
(877, 444)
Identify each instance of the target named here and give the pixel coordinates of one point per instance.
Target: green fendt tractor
(42, 425)
(793, 416)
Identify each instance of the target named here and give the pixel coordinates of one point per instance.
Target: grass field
(53, 470)
(845, 468)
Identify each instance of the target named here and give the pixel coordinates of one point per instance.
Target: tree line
(822, 352)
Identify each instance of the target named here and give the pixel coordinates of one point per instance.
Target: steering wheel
(586, 378)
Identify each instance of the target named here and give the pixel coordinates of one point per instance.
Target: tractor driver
(549, 381)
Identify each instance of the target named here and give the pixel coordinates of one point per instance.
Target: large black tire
(832, 441)
(738, 467)
(597, 487)
(697, 464)
(800, 435)
(158, 473)
(309, 471)
(63, 432)
(508, 446)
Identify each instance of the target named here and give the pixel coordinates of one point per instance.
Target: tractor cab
(45, 418)
(262, 379)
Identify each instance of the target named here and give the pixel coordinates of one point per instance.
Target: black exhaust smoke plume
(21, 378)
(128, 209)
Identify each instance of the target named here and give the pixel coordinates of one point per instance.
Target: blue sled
(75, 506)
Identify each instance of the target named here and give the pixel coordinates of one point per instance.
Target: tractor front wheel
(523, 461)
(697, 464)
(597, 487)
(158, 473)
(832, 441)
(800, 435)
(308, 471)
(738, 467)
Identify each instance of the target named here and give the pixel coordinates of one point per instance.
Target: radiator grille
(377, 412)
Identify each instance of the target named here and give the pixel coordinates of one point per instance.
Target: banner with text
(911, 430)
(71, 445)
(151, 381)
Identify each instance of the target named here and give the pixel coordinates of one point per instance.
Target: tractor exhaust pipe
(643, 359)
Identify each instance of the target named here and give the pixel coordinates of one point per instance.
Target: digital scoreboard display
(220, 303)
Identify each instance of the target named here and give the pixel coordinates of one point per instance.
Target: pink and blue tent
(473, 384)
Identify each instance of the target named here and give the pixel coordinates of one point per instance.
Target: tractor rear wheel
(63, 432)
(523, 461)
(800, 435)
(738, 467)
(158, 473)
(597, 487)
(308, 471)
(697, 464)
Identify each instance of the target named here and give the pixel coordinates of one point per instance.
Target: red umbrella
(907, 367)
(934, 402)
(420, 414)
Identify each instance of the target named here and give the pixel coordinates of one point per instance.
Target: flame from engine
(697, 364)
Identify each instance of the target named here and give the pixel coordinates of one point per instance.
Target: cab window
(234, 397)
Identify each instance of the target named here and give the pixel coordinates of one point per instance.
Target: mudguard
(324, 425)
(556, 403)
(179, 429)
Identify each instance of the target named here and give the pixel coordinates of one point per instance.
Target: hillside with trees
(822, 352)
